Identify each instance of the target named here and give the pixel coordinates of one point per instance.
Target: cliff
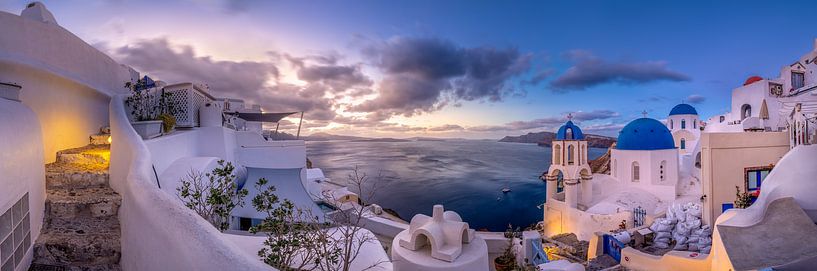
(602, 164)
(544, 139)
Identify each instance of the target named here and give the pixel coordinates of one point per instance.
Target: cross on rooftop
(570, 116)
(644, 113)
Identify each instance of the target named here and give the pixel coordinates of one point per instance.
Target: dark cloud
(547, 123)
(695, 99)
(339, 77)
(594, 115)
(540, 76)
(446, 128)
(426, 74)
(589, 70)
(248, 80)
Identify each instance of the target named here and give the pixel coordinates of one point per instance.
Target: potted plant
(507, 261)
(144, 109)
(167, 113)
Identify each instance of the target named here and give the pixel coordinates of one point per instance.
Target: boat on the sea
(506, 190)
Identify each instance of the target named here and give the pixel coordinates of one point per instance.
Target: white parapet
(439, 242)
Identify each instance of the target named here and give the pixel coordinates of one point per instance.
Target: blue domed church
(685, 126)
(646, 157)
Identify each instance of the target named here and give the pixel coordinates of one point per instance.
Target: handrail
(157, 232)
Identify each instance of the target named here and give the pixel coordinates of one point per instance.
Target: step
(72, 203)
(83, 225)
(87, 155)
(74, 249)
(42, 265)
(63, 179)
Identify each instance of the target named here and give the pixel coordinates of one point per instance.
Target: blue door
(613, 247)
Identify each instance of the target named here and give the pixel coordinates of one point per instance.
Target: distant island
(545, 138)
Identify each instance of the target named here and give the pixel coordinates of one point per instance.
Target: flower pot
(148, 129)
(501, 264)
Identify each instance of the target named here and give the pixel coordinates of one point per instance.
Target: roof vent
(37, 11)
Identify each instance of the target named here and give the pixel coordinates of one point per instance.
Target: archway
(745, 111)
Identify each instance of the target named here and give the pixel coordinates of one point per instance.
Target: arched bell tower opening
(569, 173)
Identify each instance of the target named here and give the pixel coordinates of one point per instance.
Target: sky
(466, 69)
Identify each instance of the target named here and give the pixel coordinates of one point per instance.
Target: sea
(466, 176)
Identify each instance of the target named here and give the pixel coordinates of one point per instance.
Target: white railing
(157, 232)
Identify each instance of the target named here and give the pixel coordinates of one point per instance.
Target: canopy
(262, 117)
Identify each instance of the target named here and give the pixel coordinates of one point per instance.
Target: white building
(685, 127)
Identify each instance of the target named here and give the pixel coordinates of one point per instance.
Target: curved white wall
(21, 169)
(65, 81)
(157, 232)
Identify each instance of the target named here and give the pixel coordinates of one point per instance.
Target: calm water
(466, 176)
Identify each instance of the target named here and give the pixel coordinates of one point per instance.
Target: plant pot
(148, 129)
(501, 264)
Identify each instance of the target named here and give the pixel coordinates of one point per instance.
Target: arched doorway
(745, 111)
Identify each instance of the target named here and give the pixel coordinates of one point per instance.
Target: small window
(694, 124)
(661, 169)
(683, 144)
(557, 154)
(722, 118)
(636, 172)
(615, 168)
(755, 177)
(671, 124)
(797, 80)
(698, 160)
(569, 133)
(746, 111)
(570, 150)
(683, 124)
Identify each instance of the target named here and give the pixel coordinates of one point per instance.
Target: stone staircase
(81, 227)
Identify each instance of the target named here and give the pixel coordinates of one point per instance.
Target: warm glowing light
(109, 139)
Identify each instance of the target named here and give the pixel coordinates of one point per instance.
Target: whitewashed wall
(157, 232)
(21, 172)
(65, 81)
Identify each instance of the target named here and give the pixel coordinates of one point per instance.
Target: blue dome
(683, 109)
(645, 134)
(575, 135)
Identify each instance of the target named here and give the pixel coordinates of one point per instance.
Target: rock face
(601, 165)
(81, 229)
(545, 138)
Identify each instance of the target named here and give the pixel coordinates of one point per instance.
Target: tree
(214, 198)
(295, 237)
(348, 235)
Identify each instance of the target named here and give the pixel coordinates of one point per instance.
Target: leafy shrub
(212, 195)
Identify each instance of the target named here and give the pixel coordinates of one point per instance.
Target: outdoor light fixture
(109, 139)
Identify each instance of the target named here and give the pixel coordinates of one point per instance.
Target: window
(560, 182)
(722, 119)
(582, 158)
(698, 160)
(615, 168)
(683, 124)
(569, 133)
(755, 176)
(694, 124)
(570, 154)
(661, 169)
(557, 154)
(671, 124)
(683, 144)
(636, 172)
(798, 79)
(746, 111)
